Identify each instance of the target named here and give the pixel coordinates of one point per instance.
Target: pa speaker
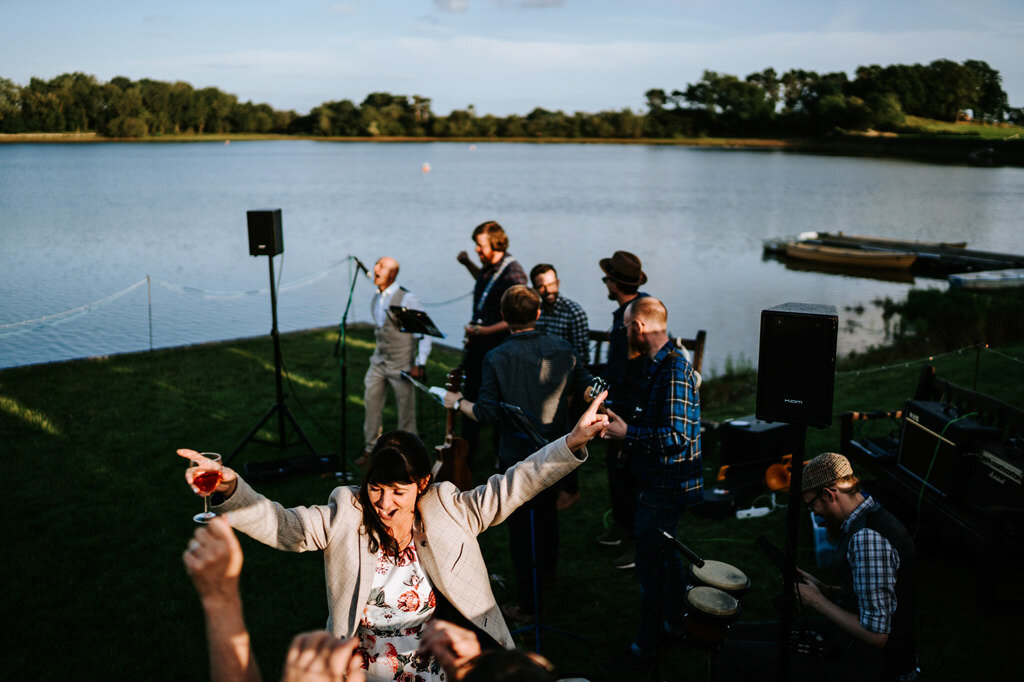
(796, 368)
(265, 238)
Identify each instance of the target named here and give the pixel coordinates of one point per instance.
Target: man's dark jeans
(659, 569)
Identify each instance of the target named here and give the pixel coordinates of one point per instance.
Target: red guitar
(453, 455)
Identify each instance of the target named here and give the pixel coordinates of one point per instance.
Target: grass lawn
(99, 515)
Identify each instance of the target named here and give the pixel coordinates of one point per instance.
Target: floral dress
(401, 602)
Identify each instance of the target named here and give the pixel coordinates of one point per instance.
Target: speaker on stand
(796, 373)
(266, 239)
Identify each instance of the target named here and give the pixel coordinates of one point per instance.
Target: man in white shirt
(396, 352)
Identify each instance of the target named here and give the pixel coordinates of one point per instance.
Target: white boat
(988, 279)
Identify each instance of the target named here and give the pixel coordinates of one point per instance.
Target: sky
(501, 56)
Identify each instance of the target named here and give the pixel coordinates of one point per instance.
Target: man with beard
(868, 621)
(499, 271)
(560, 316)
(663, 445)
(624, 371)
(566, 319)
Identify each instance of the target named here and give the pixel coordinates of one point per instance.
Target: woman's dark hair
(398, 457)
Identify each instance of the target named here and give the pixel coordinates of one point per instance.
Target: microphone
(690, 555)
(359, 264)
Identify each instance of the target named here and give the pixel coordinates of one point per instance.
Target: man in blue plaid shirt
(663, 443)
(869, 619)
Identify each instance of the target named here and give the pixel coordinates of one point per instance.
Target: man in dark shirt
(499, 271)
(623, 277)
(663, 444)
(536, 372)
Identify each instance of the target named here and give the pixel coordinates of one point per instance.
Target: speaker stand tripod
(280, 408)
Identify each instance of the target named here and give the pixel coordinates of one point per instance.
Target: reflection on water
(83, 221)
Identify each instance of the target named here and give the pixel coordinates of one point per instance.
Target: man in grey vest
(396, 352)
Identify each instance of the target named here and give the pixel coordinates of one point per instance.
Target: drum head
(712, 601)
(721, 575)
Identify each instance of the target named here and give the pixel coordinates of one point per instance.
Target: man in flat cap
(869, 619)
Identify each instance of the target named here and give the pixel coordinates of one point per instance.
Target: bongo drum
(722, 576)
(708, 614)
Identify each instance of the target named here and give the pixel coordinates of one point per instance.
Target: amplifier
(996, 482)
(934, 442)
(749, 439)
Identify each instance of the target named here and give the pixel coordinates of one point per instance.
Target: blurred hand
(449, 399)
(616, 426)
(228, 481)
(463, 258)
(418, 372)
(214, 561)
(452, 646)
(322, 657)
(590, 424)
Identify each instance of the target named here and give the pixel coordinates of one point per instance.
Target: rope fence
(25, 326)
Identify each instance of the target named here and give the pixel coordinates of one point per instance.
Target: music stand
(522, 421)
(413, 321)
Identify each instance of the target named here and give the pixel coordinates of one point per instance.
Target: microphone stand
(669, 541)
(340, 347)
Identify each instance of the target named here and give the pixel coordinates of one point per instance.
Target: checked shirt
(664, 441)
(873, 562)
(567, 320)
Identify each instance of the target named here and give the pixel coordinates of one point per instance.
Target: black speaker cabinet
(265, 237)
(749, 439)
(937, 450)
(796, 367)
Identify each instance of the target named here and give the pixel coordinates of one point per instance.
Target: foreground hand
(452, 646)
(809, 593)
(616, 427)
(322, 657)
(214, 560)
(591, 424)
(228, 481)
(449, 399)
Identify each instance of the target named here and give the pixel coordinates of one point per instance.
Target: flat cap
(825, 469)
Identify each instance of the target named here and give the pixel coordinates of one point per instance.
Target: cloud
(341, 9)
(452, 5)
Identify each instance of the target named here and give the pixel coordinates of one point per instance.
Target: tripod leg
(298, 430)
(248, 437)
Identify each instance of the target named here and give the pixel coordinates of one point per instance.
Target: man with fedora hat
(623, 277)
(869, 619)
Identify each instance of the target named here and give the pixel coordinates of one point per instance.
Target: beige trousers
(378, 376)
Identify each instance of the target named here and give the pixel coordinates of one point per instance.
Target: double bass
(453, 455)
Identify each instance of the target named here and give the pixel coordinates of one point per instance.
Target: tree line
(795, 103)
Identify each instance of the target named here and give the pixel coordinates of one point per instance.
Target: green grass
(98, 514)
(987, 131)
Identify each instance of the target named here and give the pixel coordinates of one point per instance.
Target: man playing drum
(869, 619)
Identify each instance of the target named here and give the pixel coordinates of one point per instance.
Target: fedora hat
(623, 267)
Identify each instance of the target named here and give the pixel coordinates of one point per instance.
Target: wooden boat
(852, 257)
(843, 239)
(988, 280)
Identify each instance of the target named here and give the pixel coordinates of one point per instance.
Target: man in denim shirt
(663, 444)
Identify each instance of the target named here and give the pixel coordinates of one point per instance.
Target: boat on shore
(850, 257)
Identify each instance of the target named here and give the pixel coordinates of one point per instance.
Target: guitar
(453, 455)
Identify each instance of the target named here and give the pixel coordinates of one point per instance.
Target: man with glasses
(868, 620)
(560, 316)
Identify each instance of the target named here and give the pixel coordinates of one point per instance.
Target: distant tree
(990, 101)
(10, 107)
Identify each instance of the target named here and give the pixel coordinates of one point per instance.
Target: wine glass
(206, 475)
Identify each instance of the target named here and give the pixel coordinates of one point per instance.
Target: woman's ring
(193, 545)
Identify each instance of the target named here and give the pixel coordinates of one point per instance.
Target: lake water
(79, 223)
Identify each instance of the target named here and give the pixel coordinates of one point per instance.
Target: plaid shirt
(873, 562)
(664, 443)
(567, 320)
